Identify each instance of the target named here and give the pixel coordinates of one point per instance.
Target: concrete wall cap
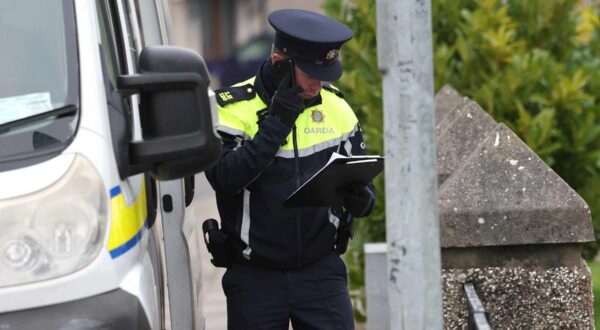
(371, 248)
(445, 100)
(469, 126)
(504, 194)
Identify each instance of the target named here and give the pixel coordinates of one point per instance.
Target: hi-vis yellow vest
(317, 128)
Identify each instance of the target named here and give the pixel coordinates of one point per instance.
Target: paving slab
(213, 298)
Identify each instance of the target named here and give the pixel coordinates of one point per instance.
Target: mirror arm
(167, 148)
(132, 84)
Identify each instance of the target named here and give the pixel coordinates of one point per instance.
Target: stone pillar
(466, 119)
(513, 227)
(508, 223)
(446, 100)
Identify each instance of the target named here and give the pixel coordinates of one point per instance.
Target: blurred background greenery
(532, 65)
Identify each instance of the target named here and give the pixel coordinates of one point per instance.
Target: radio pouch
(345, 232)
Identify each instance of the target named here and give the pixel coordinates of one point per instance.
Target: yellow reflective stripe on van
(127, 222)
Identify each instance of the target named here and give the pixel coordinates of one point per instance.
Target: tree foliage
(532, 65)
(361, 83)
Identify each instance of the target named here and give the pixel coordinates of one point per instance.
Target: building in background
(233, 36)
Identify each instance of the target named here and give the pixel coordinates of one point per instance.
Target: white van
(92, 110)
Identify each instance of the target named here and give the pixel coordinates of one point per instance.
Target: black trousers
(313, 297)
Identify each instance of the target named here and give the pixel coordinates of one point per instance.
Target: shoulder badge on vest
(234, 94)
(332, 89)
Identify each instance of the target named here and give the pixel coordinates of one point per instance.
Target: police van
(102, 128)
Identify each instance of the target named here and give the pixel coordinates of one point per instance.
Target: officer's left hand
(357, 199)
(287, 102)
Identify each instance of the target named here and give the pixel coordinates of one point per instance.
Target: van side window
(150, 22)
(111, 46)
(114, 63)
(114, 57)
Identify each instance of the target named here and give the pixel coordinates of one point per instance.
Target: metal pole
(404, 47)
(478, 318)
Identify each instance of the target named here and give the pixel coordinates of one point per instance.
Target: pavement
(214, 303)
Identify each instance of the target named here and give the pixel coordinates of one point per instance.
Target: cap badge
(317, 116)
(331, 55)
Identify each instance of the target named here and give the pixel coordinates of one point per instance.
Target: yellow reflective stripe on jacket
(241, 116)
(127, 222)
(318, 127)
(328, 121)
(321, 146)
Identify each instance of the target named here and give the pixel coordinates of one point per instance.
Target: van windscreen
(39, 84)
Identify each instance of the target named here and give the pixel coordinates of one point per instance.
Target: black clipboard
(340, 171)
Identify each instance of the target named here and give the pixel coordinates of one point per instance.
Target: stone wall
(508, 223)
(521, 297)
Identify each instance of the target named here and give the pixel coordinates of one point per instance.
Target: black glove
(287, 102)
(218, 246)
(218, 243)
(357, 199)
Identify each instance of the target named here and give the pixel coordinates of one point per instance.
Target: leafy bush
(532, 65)
(361, 83)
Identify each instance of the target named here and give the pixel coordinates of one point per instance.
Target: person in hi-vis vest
(278, 128)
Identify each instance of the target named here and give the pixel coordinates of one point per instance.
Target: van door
(120, 49)
(174, 230)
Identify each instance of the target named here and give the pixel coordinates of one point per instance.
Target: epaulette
(332, 89)
(233, 94)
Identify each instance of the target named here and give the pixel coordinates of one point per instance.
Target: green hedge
(532, 65)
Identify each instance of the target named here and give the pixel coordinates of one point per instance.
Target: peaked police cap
(311, 40)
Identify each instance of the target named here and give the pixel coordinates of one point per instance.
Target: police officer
(278, 128)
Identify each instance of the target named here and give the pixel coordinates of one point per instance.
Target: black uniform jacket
(264, 161)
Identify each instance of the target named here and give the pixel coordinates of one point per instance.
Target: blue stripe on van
(114, 253)
(115, 191)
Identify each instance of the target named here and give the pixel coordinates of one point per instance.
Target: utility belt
(225, 249)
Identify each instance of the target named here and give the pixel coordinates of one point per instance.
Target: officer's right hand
(287, 103)
(357, 199)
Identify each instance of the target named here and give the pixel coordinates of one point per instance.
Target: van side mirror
(178, 134)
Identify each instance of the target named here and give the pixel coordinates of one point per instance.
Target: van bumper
(112, 310)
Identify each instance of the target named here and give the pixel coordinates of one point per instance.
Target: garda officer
(278, 128)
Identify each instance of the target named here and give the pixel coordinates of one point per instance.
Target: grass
(595, 267)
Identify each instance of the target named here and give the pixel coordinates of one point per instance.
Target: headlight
(56, 231)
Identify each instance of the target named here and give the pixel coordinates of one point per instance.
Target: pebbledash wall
(508, 223)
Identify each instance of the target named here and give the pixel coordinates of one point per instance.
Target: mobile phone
(282, 68)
